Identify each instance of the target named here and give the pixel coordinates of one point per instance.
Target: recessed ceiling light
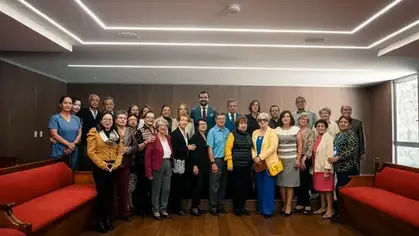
(129, 35)
(233, 8)
(220, 68)
(315, 39)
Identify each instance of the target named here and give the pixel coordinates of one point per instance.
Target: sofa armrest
(361, 181)
(83, 177)
(9, 220)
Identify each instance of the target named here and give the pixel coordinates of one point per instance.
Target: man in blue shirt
(216, 142)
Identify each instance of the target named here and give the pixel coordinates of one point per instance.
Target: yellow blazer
(100, 152)
(324, 151)
(269, 146)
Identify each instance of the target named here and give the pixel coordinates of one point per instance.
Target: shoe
(165, 215)
(214, 212)
(266, 216)
(101, 228)
(156, 216)
(320, 211)
(327, 216)
(296, 209)
(222, 211)
(125, 218)
(288, 214)
(237, 212)
(108, 224)
(181, 213)
(245, 212)
(307, 210)
(335, 218)
(195, 212)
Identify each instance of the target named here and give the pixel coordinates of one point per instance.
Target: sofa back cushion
(22, 186)
(401, 182)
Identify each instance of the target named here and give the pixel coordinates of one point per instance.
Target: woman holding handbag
(266, 164)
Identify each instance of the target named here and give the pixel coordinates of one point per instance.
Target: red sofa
(386, 203)
(46, 197)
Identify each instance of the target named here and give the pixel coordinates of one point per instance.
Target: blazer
(268, 152)
(199, 157)
(88, 122)
(180, 147)
(190, 128)
(196, 114)
(231, 125)
(130, 142)
(324, 151)
(100, 152)
(154, 155)
(358, 129)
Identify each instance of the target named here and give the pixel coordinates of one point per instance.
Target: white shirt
(185, 136)
(202, 111)
(167, 152)
(234, 116)
(94, 113)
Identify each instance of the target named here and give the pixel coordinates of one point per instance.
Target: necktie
(232, 118)
(204, 113)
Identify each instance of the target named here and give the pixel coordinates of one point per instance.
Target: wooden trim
(8, 161)
(400, 167)
(9, 220)
(83, 177)
(361, 181)
(29, 166)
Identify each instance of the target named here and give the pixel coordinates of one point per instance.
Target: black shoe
(335, 218)
(214, 212)
(156, 217)
(281, 212)
(266, 216)
(222, 211)
(245, 212)
(181, 213)
(108, 224)
(237, 212)
(101, 228)
(125, 218)
(165, 215)
(195, 212)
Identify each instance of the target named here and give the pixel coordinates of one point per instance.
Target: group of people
(144, 164)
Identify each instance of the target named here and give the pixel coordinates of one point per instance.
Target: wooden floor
(231, 225)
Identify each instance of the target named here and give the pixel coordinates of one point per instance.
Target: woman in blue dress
(65, 129)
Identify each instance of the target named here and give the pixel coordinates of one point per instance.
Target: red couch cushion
(389, 203)
(45, 209)
(22, 186)
(11, 232)
(401, 182)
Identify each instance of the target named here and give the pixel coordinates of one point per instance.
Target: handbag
(275, 168)
(260, 167)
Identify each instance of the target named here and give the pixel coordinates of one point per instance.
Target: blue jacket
(231, 125)
(196, 114)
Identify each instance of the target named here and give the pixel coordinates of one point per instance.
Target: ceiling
(199, 42)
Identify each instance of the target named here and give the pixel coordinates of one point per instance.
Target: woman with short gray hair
(158, 168)
(333, 128)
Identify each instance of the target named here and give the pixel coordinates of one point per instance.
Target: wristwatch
(212, 162)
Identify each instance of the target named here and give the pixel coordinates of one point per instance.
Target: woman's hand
(326, 173)
(298, 163)
(332, 160)
(68, 151)
(71, 146)
(191, 147)
(257, 160)
(53, 141)
(303, 163)
(195, 170)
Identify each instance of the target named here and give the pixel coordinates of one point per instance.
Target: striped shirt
(287, 147)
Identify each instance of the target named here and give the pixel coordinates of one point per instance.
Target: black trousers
(199, 186)
(178, 188)
(302, 192)
(142, 194)
(241, 181)
(104, 181)
(85, 163)
(343, 179)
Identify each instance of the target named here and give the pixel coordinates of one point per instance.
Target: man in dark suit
(109, 105)
(90, 118)
(203, 111)
(231, 115)
(356, 127)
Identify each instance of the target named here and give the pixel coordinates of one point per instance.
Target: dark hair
(349, 119)
(162, 107)
(142, 110)
(64, 97)
(203, 92)
(239, 120)
(253, 102)
(75, 99)
(292, 123)
(302, 98)
(220, 114)
(132, 115)
(130, 107)
(323, 122)
(270, 109)
(100, 127)
(108, 98)
(148, 112)
(197, 122)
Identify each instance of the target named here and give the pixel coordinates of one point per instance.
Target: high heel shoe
(101, 228)
(108, 224)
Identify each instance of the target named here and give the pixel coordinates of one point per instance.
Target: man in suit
(90, 118)
(301, 103)
(356, 127)
(203, 111)
(109, 105)
(231, 115)
(274, 121)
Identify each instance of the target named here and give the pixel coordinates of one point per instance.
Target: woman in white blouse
(333, 127)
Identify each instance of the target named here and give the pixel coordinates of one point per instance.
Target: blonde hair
(325, 109)
(161, 121)
(187, 112)
(303, 115)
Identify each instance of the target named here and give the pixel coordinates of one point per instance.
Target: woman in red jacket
(158, 167)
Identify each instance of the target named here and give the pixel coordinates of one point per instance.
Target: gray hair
(326, 109)
(262, 115)
(161, 121)
(304, 115)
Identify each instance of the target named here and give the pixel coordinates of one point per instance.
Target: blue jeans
(266, 192)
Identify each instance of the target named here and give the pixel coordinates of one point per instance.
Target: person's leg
(123, 191)
(100, 205)
(175, 200)
(269, 194)
(156, 186)
(260, 193)
(165, 188)
(75, 158)
(236, 189)
(329, 200)
(110, 190)
(305, 190)
(214, 186)
(289, 197)
(223, 183)
(283, 192)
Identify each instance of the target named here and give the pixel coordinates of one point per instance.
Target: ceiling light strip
(413, 24)
(218, 68)
(50, 20)
(90, 13)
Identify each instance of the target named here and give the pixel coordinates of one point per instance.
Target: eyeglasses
(264, 120)
(107, 119)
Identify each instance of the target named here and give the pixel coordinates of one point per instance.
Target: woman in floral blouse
(345, 157)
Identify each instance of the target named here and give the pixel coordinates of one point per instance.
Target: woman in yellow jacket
(265, 145)
(105, 148)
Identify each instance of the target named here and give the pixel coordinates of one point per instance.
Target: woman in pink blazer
(158, 168)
